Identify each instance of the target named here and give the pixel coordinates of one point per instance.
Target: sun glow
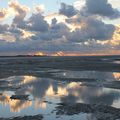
(39, 54)
(61, 53)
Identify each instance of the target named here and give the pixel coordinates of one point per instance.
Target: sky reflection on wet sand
(45, 93)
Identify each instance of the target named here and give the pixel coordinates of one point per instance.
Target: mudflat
(50, 88)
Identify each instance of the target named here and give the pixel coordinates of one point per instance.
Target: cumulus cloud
(37, 23)
(56, 31)
(75, 20)
(40, 8)
(100, 7)
(54, 21)
(92, 28)
(4, 28)
(67, 10)
(115, 3)
(79, 4)
(3, 13)
(7, 38)
(21, 12)
(59, 17)
(68, 30)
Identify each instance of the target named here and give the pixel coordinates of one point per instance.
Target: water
(47, 86)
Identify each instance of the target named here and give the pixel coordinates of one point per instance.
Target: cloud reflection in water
(42, 90)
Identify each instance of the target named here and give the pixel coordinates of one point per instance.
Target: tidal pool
(45, 94)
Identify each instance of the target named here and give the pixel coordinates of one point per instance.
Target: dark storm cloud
(100, 7)
(93, 29)
(67, 10)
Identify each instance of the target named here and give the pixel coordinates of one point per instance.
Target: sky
(59, 26)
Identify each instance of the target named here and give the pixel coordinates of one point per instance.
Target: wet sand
(59, 87)
(30, 65)
(102, 112)
(36, 117)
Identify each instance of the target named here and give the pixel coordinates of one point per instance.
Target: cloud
(54, 21)
(58, 37)
(67, 10)
(3, 13)
(74, 20)
(7, 38)
(115, 3)
(79, 4)
(101, 8)
(26, 34)
(37, 23)
(54, 32)
(40, 8)
(20, 13)
(59, 17)
(68, 30)
(115, 41)
(4, 28)
(92, 28)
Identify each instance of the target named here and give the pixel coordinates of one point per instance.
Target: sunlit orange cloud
(62, 19)
(74, 24)
(3, 13)
(116, 37)
(26, 34)
(17, 7)
(7, 37)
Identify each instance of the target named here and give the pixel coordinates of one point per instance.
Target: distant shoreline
(62, 56)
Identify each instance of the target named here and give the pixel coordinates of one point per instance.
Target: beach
(56, 88)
